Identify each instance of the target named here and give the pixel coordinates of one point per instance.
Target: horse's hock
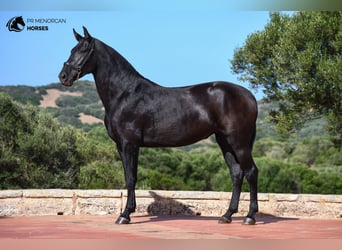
(102, 202)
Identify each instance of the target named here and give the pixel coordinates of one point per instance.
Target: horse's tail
(253, 136)
(254, 125)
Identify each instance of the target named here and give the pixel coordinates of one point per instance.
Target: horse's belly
(175, 138)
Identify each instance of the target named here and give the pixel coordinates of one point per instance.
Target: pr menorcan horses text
(141, 113)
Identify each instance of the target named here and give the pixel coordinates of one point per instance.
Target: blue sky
(173, 47)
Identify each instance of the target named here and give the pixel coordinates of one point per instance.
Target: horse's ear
(86, 33)
(77, 36)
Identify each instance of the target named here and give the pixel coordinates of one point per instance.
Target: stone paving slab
(166, 227)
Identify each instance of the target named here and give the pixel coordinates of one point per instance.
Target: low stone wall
(102, 202)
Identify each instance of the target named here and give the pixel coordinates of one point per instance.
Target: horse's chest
(125, 126)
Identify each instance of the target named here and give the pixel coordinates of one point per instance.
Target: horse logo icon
(16, 24)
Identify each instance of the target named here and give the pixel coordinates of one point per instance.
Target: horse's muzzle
(63, 78)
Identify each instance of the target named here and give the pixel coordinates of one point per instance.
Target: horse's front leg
(129, 156)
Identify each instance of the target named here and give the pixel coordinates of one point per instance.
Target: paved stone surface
(166, 227)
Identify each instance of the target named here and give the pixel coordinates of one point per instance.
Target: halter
(83, 61)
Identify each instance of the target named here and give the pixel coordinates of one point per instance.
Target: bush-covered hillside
(51, 148)
(68, 108)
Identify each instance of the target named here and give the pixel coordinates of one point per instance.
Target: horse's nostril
(62, 76)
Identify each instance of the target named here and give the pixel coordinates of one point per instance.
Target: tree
(297, 61)
(101, 175)
(14, 121)
(35, 150)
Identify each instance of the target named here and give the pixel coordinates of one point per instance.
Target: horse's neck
(114, 75)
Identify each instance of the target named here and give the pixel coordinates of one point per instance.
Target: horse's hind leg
(236, 175)
(251, 173)
(240, 162)
(244, 156)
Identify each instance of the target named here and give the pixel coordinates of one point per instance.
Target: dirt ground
(49, 100)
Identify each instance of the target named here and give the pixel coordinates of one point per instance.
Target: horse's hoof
(122, 220)
(224, 220)
(249, 221)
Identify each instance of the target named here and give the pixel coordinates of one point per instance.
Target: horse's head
(79, 62)
(13, 24)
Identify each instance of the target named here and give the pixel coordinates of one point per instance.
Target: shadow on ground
(260, 218)
(169, 209)
(168, 206)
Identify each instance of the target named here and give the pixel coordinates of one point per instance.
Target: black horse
(140, 113)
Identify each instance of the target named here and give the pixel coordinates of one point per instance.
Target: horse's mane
(121, 62)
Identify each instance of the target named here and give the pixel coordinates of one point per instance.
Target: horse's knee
(236, 173)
